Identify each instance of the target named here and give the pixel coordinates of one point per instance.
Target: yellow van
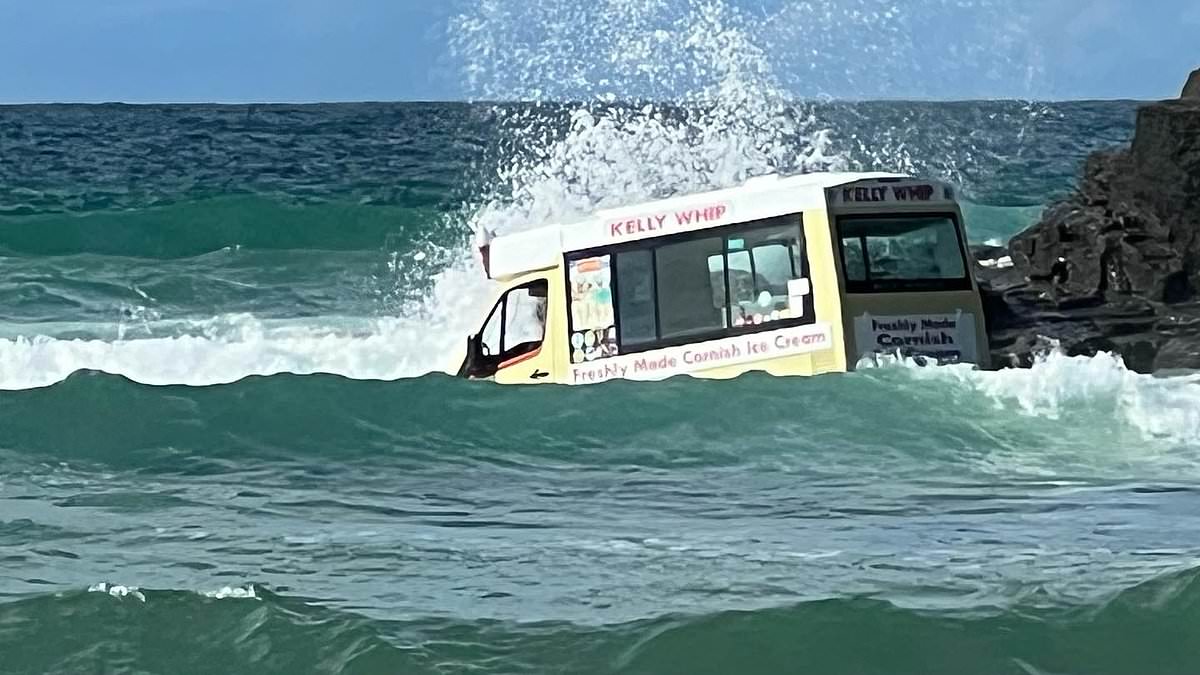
(793, 276)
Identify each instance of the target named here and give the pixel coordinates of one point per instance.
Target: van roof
(762, 197)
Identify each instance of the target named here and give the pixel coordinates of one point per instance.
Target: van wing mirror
(470, 365)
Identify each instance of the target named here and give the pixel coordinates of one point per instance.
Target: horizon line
(432, 101)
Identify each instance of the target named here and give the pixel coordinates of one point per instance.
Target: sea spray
(727, 118)
(711, 111)
(660, 97)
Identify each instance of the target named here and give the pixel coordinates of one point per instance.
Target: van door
(509, 345)
(908, 288)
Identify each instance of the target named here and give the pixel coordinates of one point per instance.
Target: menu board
(593, 328)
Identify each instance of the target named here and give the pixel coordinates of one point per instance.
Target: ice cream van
(795, 275)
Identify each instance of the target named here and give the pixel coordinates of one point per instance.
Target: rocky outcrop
(1192, 88)
(1116, 265)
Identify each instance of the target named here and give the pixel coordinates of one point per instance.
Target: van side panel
(557, 337)
(823, 265)
(823, 278)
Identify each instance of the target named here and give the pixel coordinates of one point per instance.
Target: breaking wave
(1146, 628)
(1081, 410)
(229, 348)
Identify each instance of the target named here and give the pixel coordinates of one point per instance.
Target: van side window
(635, 269)
(762, 262)
(902, 253)
(686, 302)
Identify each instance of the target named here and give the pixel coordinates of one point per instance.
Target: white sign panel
(946, 337)
(663, 363)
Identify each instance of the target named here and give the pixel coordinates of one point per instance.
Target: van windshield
(902, 253)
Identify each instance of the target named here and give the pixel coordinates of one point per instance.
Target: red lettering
(651, 365)
(697, 216)
(795, 341)
(658, 221)
(598, 373)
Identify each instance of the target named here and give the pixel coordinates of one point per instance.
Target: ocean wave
(1146, 628)
(228, 348)
(186, 632)
(1074, 388)
(1143, 629)
(247, 592)
(1065, 414)
(196, 227)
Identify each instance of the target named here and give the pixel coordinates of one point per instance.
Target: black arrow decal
(537, 375)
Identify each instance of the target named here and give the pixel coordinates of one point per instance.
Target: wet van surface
(791, 276)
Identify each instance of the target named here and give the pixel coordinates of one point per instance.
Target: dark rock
(1116, 265)
(1178, 353)
(1192, 88)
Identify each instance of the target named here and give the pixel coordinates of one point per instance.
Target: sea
(229, 442)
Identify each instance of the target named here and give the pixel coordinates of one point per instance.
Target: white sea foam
(1167, 408)
(234, 592)
(247, 592)
(117, 591)
(1101, 386)
(729, 118)
(233, 348)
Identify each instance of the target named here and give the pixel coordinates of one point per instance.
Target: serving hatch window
(699, 286)
(761, 266)
(902, 253)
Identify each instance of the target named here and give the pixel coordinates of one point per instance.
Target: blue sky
(337, 50)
